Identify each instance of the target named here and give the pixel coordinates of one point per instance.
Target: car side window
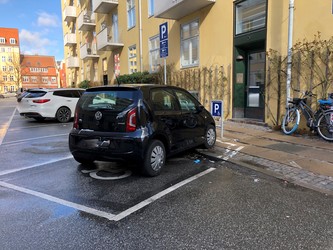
(163, 100)
(76, 93)
(63, 93)
(186, 101)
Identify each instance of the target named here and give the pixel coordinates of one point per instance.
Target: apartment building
(206, 39)
(10, 60)
(38, 71)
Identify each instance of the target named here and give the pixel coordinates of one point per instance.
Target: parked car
(57, 104)
(141, 123)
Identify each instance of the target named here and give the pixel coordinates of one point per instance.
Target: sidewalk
(300, 159)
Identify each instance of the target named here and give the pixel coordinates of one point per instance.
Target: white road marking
(32, 139)
(294, 164)
(59, 201)
(34, 166)
(103, 214)
(228, 143)
(159, 195)
(3, 131)
(233, 153)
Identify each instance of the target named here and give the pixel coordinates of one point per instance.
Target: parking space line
(59, 201)
(32, 139)
(3, 131)
(109, 216)
(34, 166)
(159, 195)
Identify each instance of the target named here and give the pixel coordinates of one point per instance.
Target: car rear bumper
(109, 147)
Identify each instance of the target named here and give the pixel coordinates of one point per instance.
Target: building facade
(9, 60)
(218, 48)
(38, 72)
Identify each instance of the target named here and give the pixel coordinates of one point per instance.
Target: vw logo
(98, 115)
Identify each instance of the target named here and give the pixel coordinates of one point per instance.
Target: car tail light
(131, 121)
(76, 120)
(41, 101)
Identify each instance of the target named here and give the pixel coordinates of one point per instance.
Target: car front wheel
(154, 158)
(63, 114)
(210, 137)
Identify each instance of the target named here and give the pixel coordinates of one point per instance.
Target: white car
(58, 104)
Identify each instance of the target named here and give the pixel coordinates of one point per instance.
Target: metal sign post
(164, 46)
(216, 108)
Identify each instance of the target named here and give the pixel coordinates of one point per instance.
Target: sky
(39, 25)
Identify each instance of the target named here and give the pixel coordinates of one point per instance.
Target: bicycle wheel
(291, 121)
(325, 125)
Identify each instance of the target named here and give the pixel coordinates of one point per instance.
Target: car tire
(210, 137)
(63, 115)
(154, 160)
(83, 161)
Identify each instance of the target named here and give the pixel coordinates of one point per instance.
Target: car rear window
(35, 93)
(111, 100)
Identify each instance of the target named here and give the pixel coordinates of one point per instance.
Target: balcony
(72, 62)
(88, 51)
(176, 9)
(108, 40)
(70, 39)
(104, 6)
(69, 14)
(86, 21)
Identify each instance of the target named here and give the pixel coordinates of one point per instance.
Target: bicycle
(320, 120)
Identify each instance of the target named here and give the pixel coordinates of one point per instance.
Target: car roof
(141, 86)
(54, 89)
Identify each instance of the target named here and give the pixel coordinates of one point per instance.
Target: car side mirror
(200, 108)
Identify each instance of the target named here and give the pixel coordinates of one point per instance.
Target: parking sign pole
(165, 72)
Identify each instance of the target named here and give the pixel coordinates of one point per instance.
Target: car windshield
(110, 100)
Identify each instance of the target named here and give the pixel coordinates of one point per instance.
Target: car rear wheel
(63, 114)
(154, 158)
(210, 136)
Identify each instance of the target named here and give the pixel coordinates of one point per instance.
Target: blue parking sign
(216, 108)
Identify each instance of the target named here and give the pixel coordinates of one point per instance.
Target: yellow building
(9, 60)
(215, 47)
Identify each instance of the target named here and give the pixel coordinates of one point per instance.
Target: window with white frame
(11, 78)
(130, 13)
(151, 8)
(45, 79)
(3, 50)
(11, 68)
(25, 78)
(12, 88)
(10, 59)
(4, 68)
(12, 41)
(190, 44)
(9, 49)
(132, 59)
(34, 79)
(4, 78)
(53, 79)
(3, 58)
(2, 40)
(154, 53)
(5, 88)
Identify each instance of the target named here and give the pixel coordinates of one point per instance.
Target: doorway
(255, 85)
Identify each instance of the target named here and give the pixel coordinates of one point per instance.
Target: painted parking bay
(69, 184)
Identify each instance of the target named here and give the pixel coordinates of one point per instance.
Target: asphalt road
(49, 201)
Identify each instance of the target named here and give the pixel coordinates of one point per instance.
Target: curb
(266, 172)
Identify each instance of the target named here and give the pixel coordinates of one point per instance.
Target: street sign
(216, 108)
(164, 45)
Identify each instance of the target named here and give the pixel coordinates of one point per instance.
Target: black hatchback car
(142, 123)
